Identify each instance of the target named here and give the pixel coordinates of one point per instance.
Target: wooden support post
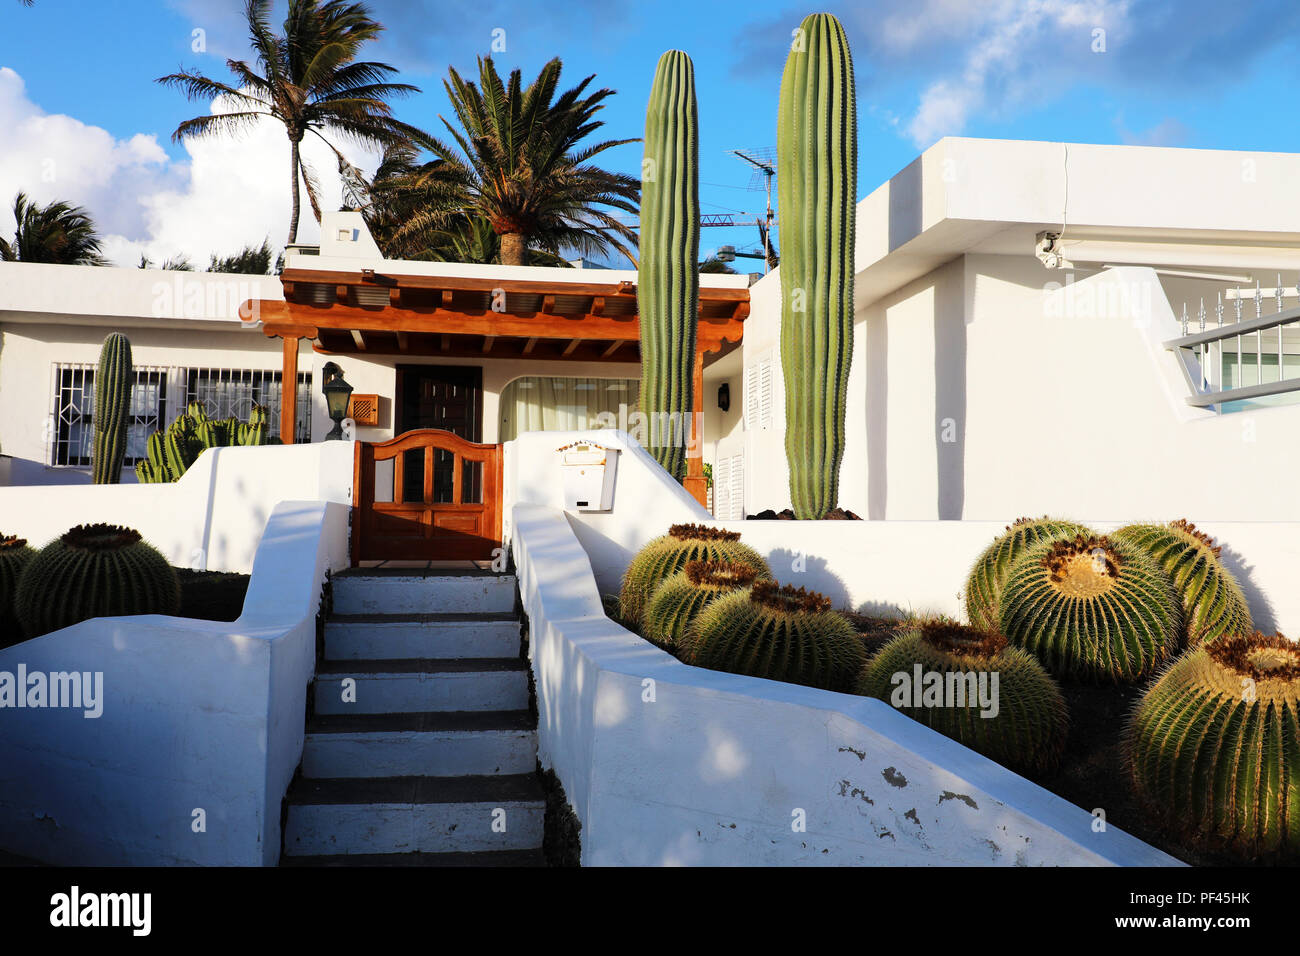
(289, 389)
(695, 481)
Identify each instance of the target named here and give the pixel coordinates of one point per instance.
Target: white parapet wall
(195, 729)
(890, 568)
(667, 764)
(199, 724)
(212, 519)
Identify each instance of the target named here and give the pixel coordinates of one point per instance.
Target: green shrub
(1214, 747)
(984, 585)
(1027, 720)
(681, 597)
(667, 555)
(1213, 604)
(1092, 607)
(781, 633)
(95, 570)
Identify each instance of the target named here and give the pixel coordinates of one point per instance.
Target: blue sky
(76, 78)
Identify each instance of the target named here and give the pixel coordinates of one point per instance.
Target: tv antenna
(763, 159)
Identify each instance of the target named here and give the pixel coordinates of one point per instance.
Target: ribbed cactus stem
(94, 571)
(668, 282)
(665, 556)
(114, 380)
(817, 160)
(14, 556)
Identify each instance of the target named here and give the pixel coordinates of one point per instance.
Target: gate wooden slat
(425, 530)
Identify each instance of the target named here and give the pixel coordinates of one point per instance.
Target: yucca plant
(669, 554)
(1214, 747)
(681, 597)
(1213, 603)
(14, 556)
(984, 585)
(97, 570)
(968, 684)
(1091, 608)
(781, 633)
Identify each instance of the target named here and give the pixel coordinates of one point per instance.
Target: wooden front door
(391, 524)
(448, 398)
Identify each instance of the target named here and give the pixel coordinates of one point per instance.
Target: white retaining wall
(212, 519)
(882, 567)
(201, 726)
(669, 764)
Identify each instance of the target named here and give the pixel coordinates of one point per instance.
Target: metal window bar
(159, 395)
(1197, 350)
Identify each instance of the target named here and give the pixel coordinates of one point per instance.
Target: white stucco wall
(212, 519)
(992, 387)
(196, 715)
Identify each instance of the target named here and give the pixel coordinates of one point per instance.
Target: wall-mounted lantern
(337, 392)
(724, 396)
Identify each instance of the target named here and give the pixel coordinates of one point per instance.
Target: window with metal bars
(159, 395)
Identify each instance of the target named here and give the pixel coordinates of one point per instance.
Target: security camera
(1047, 248)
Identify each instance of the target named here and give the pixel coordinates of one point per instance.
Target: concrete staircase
(420, 747)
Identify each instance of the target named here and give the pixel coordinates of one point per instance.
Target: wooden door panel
(467, 524)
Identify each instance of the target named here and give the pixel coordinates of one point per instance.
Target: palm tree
(251, 261)
(521, 168)
(58, 232)
(310, 81)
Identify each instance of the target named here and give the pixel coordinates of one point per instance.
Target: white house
(1020, 348)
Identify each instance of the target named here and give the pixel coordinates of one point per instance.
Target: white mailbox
(589, 471)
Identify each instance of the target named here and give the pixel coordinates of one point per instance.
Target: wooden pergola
(373, 313)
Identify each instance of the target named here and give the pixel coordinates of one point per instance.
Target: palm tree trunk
(512, 249)
(293, 175)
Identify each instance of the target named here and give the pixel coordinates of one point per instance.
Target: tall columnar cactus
(817, 162)
(1214, 747)
(1092, 608)
(781, 633)
(114, 380)
(669, 554)
(984, 586)
(668, 281)
(969, 685)
(1213, 604)
(14, 556)
(680, 598)
(96, 570)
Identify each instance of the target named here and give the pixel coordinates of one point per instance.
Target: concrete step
(359, 591)
(524, 858)
(391, 636)
(437, 744)
(398, 815)
(421, 684)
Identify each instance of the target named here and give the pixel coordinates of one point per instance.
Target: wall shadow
(951, 312)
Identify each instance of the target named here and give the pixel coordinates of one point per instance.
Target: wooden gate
(426, 495)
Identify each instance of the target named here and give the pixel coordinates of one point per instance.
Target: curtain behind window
(539, 403)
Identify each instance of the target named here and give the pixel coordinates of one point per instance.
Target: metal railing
(1206, 353)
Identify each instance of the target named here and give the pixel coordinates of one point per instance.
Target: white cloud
(992, 71)
(231, 192)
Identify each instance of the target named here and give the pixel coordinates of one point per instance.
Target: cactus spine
(665, 556)
(14, 556)
(984, 586)
(680, 598)
(94, 571)
(1214, 747)
(114, 380)
(668, 281)
(1213, 604)
(817, 161)
(1092, 608)
(1021, 722)
(781, 633)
